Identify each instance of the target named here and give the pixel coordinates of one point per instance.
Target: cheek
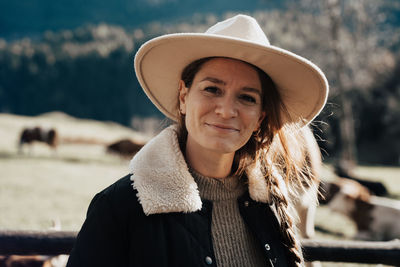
(198, 106)
(194, 111)
(252, 119)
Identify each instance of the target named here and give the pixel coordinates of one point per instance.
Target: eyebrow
(219, 81)
(214, 80)
(252, 90)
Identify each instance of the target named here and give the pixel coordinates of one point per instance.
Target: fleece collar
(163, 181)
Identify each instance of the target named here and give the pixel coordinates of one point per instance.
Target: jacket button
(246, 203)
(208, 260)
(267, 247)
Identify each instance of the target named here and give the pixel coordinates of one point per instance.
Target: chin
(222, 147)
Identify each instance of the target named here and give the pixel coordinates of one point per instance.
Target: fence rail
(353, 251)
(61, 242)
(36, 242)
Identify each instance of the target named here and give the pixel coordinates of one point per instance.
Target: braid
(287, 226)
(288, 172)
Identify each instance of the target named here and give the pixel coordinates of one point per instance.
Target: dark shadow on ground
(323, 230)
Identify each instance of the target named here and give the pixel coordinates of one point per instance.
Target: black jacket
(118, 233)
(155, 217)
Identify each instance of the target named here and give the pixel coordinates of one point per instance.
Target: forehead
(230, 70)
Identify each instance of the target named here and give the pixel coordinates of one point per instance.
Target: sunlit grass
(40, 185)
(35, 191)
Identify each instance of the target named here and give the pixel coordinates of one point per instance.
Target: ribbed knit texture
(234, 244)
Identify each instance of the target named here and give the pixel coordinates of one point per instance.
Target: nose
(226, 107)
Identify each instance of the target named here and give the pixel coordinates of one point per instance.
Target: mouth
(222, 127)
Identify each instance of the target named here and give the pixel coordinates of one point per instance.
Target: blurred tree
(86, 72)
(350, 41)
(347, 157)
(382, 133)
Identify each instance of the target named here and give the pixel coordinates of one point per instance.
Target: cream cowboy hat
(160, 61)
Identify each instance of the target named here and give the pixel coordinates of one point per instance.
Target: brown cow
(125, 148)
(38, 134)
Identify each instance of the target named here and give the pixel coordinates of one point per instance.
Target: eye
(248, 99)
(212, 90)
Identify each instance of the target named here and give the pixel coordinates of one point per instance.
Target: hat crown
(242, 27)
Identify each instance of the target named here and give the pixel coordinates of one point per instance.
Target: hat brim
(159, 64)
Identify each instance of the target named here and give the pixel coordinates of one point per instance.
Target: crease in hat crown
(242, 27)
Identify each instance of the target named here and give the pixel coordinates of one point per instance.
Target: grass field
(41, 186)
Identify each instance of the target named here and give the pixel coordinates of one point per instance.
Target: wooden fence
(60, 242)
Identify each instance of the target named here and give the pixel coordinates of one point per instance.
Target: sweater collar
(164, 184)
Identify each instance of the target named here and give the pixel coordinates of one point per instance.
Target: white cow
(376, 218)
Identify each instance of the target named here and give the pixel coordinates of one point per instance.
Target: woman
(215, 189)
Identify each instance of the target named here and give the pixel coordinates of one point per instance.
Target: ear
(260, 120)
(183, 91)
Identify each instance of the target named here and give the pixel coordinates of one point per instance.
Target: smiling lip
(221, 127)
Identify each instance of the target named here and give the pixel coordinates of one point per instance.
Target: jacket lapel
(163, 181)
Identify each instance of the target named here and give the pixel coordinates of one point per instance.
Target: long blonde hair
(270, 147)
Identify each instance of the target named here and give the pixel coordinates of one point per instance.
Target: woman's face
(222, 106)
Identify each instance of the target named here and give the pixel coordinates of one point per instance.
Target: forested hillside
(26, 17)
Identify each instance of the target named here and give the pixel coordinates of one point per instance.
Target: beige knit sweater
(234, 244)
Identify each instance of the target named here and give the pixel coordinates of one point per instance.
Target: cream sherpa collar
(163, 182)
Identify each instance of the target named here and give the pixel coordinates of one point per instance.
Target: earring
(257, 132)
